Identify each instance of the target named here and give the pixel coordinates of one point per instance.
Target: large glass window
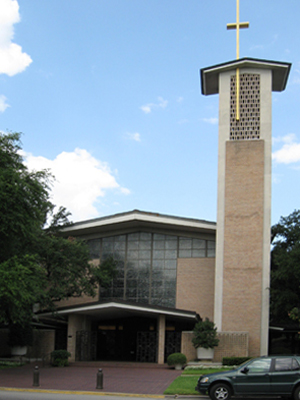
(147, 264)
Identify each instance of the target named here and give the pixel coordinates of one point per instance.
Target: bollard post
(99, 379)
(36, 376)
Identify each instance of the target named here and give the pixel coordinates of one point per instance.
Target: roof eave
(210, 75)
(138, 219)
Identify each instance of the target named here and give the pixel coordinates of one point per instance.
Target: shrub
(234, 360)
(59, 358)
(205, 335)
(176, 358)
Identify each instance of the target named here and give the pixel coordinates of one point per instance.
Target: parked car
(269, 375)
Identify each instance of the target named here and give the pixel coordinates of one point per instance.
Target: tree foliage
(37, 265)
(285, 268)
(205, 334)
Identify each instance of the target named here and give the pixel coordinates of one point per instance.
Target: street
(35, 395)
(38, 395)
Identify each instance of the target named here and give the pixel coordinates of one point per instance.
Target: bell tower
(244, 191)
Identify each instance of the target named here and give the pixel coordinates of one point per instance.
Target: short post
(36, 376)
(99, 379)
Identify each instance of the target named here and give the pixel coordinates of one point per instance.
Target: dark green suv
(269, 375)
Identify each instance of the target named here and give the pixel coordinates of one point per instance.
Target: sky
(107, 96)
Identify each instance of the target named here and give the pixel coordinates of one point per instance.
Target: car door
(285, 373)
(254, 378)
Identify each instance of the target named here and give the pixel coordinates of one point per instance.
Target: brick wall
(43, 345)
(187, 347)
(195, 285)
(76, 323)
(73, 301)
(232, 344)
(243, 239)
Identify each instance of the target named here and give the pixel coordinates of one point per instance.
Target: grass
(183, 385)
(203, 371)
(10, 364)
(186, 383)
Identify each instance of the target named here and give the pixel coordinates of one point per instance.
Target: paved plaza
(126, 378)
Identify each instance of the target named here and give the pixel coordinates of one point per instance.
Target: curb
(80, 392)
(185, 396)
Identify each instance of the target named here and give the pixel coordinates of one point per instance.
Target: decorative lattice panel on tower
(248, 126)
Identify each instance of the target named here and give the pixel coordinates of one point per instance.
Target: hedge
(234, 360)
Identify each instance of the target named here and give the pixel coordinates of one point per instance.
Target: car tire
(297, 393)
(221, 391)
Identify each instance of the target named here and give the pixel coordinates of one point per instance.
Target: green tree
(37, 265)
(285, 268)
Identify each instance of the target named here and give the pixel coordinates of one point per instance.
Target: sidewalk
(126, 378)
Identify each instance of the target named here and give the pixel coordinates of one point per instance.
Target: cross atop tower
(238, 25)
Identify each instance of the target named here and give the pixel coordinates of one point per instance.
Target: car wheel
(221, 391)
(297, 393)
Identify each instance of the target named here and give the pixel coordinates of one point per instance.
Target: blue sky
(107, 95)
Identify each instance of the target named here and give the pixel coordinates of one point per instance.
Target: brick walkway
(117, 378)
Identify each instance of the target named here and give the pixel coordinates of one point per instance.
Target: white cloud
(125, 191)
(162, 103)
(147, 108)
(290, 138)
(12, 59)
(81, 180)
(3, 104)
(289, 152)
(212, 121)
(134, 136)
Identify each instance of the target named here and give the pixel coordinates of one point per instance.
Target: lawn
(203, 371)
(186, 383)
(9, 364)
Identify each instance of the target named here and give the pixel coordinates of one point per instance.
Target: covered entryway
(132, 339)
(123, 331)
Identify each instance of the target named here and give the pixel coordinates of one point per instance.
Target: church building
(173, 271)
(165, 282)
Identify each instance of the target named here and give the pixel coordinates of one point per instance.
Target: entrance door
(127, 339)
(172, 343)
(116, 345)
(146, 347)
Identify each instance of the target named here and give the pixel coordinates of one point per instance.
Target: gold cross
(238, 25)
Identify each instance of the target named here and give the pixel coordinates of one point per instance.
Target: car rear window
(286, 364)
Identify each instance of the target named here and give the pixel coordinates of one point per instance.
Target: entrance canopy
(121, 309)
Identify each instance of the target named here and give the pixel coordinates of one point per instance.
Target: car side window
(295, 365)
(259, 366)
(286, 364)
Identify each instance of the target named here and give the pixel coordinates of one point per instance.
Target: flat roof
(139, 220)
(210, 75)
(118, 308)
